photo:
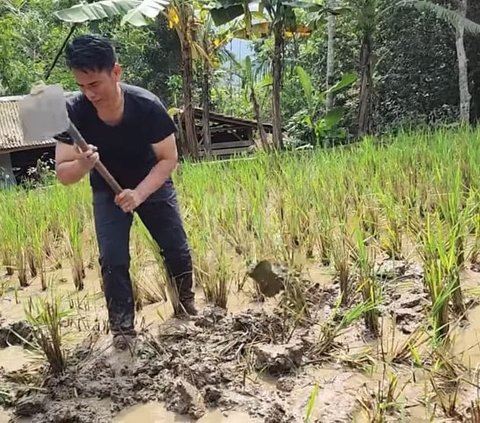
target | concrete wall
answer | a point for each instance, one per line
(7, 177)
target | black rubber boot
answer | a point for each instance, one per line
(186, 295)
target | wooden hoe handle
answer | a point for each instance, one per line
(79, 140)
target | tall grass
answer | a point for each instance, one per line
(414, 189)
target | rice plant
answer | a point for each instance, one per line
(367, 283)
(46, 317)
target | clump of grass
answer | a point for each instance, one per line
(439, 253)
(213, 272)
(335, 327)
(385, 400)
(392, 242)
(46, 317)
(75, 251)
(367, 282)
(341, 262)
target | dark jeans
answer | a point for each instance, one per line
(160, 215)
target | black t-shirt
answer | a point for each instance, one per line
(126, 148)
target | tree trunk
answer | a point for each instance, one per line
(331, 23)
(277, 86)
(207, 138)
(256, 110)
(187, 84)
(465, 96)
(366, 86)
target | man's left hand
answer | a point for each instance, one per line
(128, 200)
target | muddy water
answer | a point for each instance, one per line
(4, 416)
(13, 358)
(156, 413)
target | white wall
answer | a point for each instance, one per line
(6, 172)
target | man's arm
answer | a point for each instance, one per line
(167, 156)
(71, 164)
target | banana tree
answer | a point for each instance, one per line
(321, 125)
(280, 21)
(245, 71)
(212, 43)
(181, 17)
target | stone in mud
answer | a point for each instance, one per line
(405, 315)
(206, 373)
(270, 278)
(185, 399)
(277, 359)
(211, 315)
(285, 384)
(175, 330)
(410, 300)
(390, 269)
(28, 406)
(212, 395)
(275, 414)
(15, 333)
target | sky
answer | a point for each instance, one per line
(240, 48)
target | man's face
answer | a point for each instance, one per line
(100, 87)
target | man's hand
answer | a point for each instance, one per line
(88, 158)
(128, 200)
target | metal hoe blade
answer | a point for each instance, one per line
(43, 113)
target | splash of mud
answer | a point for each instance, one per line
(191, 366)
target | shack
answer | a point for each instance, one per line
(17, 157)
(229, 136)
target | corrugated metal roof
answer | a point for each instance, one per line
(11, 136)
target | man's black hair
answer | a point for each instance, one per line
(90, 53)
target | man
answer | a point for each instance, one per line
(130, 130)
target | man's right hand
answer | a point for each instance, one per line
(88, 158)
(72, 164)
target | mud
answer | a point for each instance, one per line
(14, 333)
(155, 412)
(191, 366)
(248, 364)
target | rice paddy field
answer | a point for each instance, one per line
(333, 286)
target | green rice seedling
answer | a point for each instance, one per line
(153, 292)
(405, 352)
(46, 317)
(335, 326)
(324, 233)
(214, 273)
(367, 282)
(295, 299)
(392, 242)
(74, 241)
(21, 264)
(15, 232)
(38, 237)
(311, 403)
(369, 218)
(342, 264)
(385, 400)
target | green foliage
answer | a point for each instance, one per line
(322, 127)
(29, 40)
(134, 12)
(31, 36)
